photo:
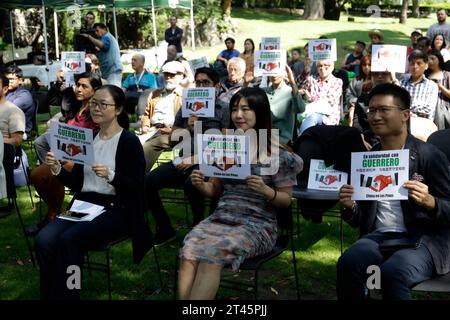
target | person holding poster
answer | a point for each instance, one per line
(244, 222)
(49, 188)
(177, 172)
(248, 56)
(285, 104)
(409, 240)
(115, 182)
(323, 92)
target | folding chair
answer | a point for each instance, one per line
(106, 267)
(285, 236)
(313, 204)
(8, 163)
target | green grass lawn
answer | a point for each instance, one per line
(295, 32)
(317, 245)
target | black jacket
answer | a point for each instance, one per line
(427, 162)
(129, 185)
(175, 38)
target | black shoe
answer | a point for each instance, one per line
(32, 230)
(162, 238)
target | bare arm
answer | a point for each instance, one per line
(15, 139)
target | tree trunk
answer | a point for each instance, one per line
(314, 10)
(227, 7)
(404, 12)
(415, 9)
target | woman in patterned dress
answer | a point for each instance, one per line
(244, 223)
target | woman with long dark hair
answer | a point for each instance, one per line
(436, 72)
(244, 222)
(115, 181)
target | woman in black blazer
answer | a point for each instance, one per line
(116, 182)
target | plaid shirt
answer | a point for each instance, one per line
(424, 96)
(329, 90)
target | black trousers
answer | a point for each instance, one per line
(168, 176)
(64, 243)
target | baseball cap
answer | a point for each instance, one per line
(418, 31)
(173, 67)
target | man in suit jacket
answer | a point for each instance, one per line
(424, 218)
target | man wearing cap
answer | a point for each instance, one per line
(159, 115)
(351, 60)
(441, 27)
(415, 35)
(285, 104)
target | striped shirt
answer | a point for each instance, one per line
(424, 96)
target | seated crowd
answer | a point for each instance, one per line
(390, 112)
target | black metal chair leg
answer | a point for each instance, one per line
(108, 274)
(158, 268)
(30, 249)
(175, 282)
(294, 260)
(27, 178)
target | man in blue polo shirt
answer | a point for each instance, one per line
(220, 65)
(137, 82)
(141, 79)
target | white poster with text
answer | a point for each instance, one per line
(380, 175)
(224, 156)
(325, 178)
(72, 143)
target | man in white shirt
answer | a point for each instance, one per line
(159, 115)
(418, 226)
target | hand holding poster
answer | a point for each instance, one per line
(269, 62)
(388, 58)
(198, 63)
(380, 175)
(72, 143)
(73, 61)
(270, 43)
(224, 156)
(198, 102)
(325, 178)
(322, 49)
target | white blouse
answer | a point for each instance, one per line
(105, 153)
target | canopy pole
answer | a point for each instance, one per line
(44, 23)
(55, 20)
(154, 34)
(192, 26)
(11, 24)
(115, 21)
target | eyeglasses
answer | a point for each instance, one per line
(383, 111)
(101, 105)
(204, 83)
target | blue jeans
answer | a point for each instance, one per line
(310, 121)
(399, 272)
